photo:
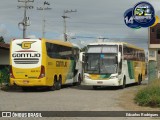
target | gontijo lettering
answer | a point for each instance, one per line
(25, 55)
(61, 64)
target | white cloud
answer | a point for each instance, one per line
(31, 36)
(3, 30)
(93, 18)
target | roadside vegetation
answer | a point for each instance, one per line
(150, 95)
(4, 76)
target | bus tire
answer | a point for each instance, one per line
(79, 80)
(59, 84)
(53, 87)
(124, 83)
(56, 84)
(139, 80)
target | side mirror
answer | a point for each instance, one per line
(119, 57)
(81, 56)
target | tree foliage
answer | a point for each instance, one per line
(83, 49)
(2, 39)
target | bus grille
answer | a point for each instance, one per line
(26, 60)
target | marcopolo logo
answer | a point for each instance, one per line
(141, 15)
(26, 44)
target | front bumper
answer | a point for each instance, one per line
(109, 82)
(28, 82)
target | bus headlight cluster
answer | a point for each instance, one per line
(114, 77)
(86, 76)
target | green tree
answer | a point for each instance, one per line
(2, 39)
(84, 49)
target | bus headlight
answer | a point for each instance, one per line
(113, 77)
(86, 76)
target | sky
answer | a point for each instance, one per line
(93, 19)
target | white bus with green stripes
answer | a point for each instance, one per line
(113, 64)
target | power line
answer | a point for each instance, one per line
(81, 22)
(96, 23)
(120, 38)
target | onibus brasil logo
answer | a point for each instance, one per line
(141, 15)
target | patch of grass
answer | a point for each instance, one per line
(150, 95)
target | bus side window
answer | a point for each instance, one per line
(125, 51)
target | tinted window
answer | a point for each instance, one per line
(58, 51)
(133, 54)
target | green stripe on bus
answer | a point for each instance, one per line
(71, 69)
(130, 69)
(105, 76)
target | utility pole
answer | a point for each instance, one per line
(64, 21)
(43, 16)
(25, 19)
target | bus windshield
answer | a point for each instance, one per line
(102, 63)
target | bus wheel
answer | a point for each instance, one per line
(58, 84)
(79, 80)
(124, 83)
(53, 87)
(139, 80)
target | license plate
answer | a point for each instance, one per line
(25, 81)
(99, 82)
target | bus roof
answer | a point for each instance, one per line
(116, 43)
(60, 42)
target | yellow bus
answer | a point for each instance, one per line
(41, 62)
(113, 64)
